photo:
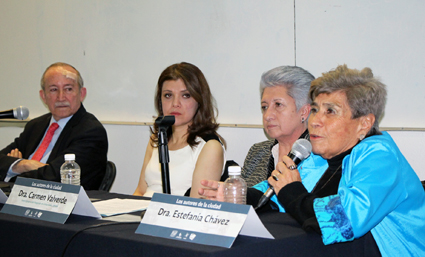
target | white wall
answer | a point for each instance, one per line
(121, 47)
(386, 35)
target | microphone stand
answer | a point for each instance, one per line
(164, 159)
(163, 123)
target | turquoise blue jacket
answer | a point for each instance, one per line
(378, 192)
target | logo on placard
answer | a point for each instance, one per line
(173, 233)
(192, 236)
(186, 236)
(30, 213)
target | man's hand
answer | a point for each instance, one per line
(27, 165)
(15, 153)
(24, 165)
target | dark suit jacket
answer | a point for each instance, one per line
(83, 135)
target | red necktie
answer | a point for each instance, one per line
(46, 141)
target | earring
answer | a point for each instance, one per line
(302, 120)
(361, 137)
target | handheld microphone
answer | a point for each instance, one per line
(301, 149)
(20, 113)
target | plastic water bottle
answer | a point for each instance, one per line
(235, 186)
(70, 171)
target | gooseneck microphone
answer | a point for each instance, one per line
(301, 149)
(20, 113)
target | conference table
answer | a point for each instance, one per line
(84, 236)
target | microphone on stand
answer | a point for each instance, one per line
(20, 113)
(301, 149)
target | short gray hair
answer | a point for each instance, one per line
(295, 79)
(365, 94)
(62, 64)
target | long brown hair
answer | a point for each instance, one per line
(204, 121)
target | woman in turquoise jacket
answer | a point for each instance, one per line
(356, 180)
(368, 184)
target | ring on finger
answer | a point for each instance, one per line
(292, 167)
(275, 178)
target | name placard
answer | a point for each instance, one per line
(200, 221)
(47, 200)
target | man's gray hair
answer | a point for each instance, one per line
(62, 64)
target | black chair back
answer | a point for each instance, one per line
(226, 169)
(224, 176)
(108, 180)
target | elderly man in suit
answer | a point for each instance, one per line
(39, 151)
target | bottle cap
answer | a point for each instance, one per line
(69, 157)
(234, 170)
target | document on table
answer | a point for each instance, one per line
(117, 206)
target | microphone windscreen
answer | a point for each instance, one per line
(165, 120)
(21, 113)
(301, 148)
